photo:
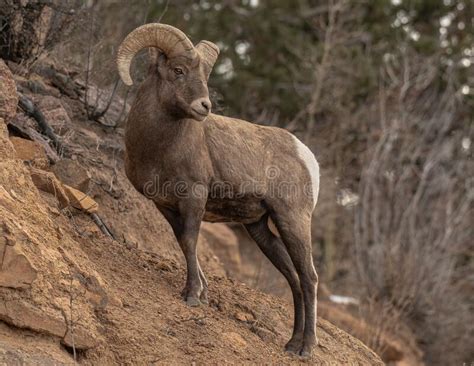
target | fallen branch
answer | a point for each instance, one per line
(32, 111)
(98, 221)
(29, 133)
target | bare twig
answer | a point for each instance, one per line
(93, 113)
(163, 12)
(71, 324)
(30, 133)
(320, 71)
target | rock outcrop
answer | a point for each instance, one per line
(8, 94)
(30, 152)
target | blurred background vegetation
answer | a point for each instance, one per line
(383, 93)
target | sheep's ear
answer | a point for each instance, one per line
(208, 52)
(155, 59)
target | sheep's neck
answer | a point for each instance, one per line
(151, 137)
(155, 139)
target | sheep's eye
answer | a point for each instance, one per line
(178, 71)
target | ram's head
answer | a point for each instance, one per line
(182, 69)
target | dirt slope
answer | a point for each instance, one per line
(66, 288)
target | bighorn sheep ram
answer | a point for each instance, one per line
(196, 166)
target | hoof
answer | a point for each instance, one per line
(293, 347)
(292, 352)
(193, 301)
(305, 354)
(193, 298)
(203, 298)
(307, 349)
(298, 348)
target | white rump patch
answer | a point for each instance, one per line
(312, 165)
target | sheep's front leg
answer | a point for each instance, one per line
(191, 216)
(185, 225)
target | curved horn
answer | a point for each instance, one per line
(168, 39)
(208, 52)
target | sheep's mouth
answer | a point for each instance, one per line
(199, 115)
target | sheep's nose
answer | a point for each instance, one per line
(201, 106)
(206, 103)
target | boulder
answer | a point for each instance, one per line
(47, 182)
(66, 195)
(16, 271)
(80, 200)
(25, 315)
(72, 173)
(8, 93)
(30, 151)
(80, 338)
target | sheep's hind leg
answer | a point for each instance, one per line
(295, 231)
(276, 252)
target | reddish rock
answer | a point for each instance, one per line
(80, 200)
(16, 271)
(6, 147)
(8, 93)
(24, 315)
(30, 151)
(47, 182)
(79, 338)
(72, 173)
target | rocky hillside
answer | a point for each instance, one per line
(90, 272)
